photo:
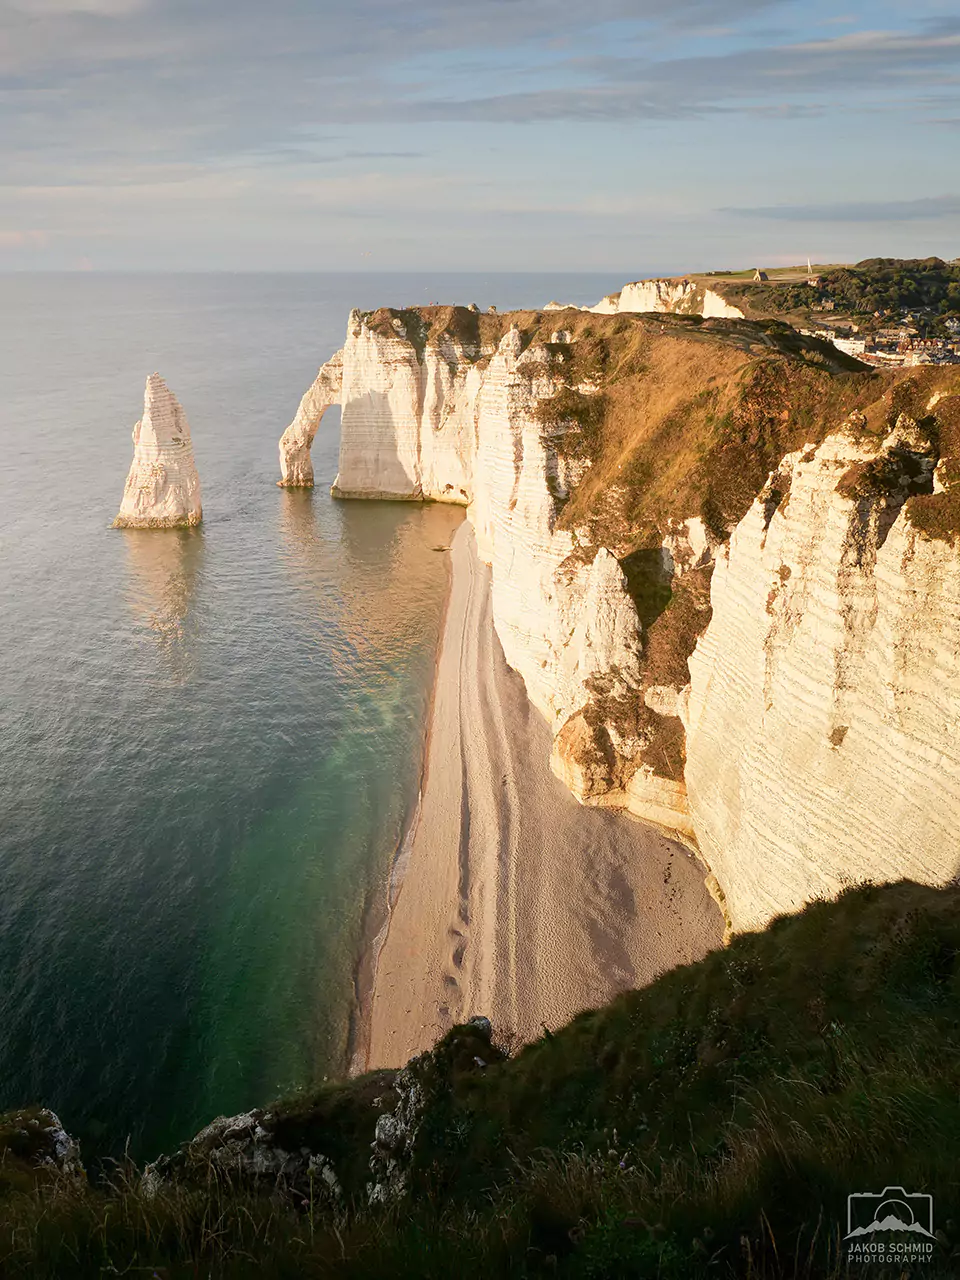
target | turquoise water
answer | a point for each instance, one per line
(209, 741)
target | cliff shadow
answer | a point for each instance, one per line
(649, 583)
(376, 469)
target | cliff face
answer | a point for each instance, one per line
(681, 297)
(792, 717)
(404, 414)
(825, 693)
(163, 488)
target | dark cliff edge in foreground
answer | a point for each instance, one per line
(712, 1124)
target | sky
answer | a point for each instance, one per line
(639, 136)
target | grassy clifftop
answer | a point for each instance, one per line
(710, 1125)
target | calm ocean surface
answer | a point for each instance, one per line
(209, 741)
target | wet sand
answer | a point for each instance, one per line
(516, 901)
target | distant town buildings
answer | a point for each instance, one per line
(852, 346)
(891, 348)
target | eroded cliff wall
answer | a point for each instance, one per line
(680, 297)
(822, 717)
(793, 717)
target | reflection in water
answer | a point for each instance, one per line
(371, 578)
(368, 565)
(307, 556)
(390, 601)
(164, 567)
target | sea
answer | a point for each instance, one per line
(211, 741)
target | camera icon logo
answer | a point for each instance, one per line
(893, 1209)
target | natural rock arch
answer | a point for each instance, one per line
(296, 466)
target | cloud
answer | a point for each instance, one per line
(333, 39)
(108, 81)
(928, 208)
(53, 8)
(181, 109)
(378, 155)
(682, 88)
(23, 239)
(87, 86)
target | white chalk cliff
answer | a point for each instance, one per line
(296, 468)
(823, 714)
(163, 488)
(680, 297)
(823, 706)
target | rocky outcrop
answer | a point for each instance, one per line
(163, 488)
(248, 1149)
(296, 468)
(371, 1139)
(424, 1088)
(34, 1147)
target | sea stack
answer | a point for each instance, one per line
(163, 488)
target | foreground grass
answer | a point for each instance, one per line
(711, 1125)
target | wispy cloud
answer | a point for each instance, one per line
(23, 239)
(156, 118)
(682, 88)
(927, 208)
(55, 8)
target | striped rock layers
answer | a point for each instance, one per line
(163, 488)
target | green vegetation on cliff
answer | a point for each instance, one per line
(710, 1125)
(887, 285)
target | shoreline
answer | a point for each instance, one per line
(506, 897)
(375, 929)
